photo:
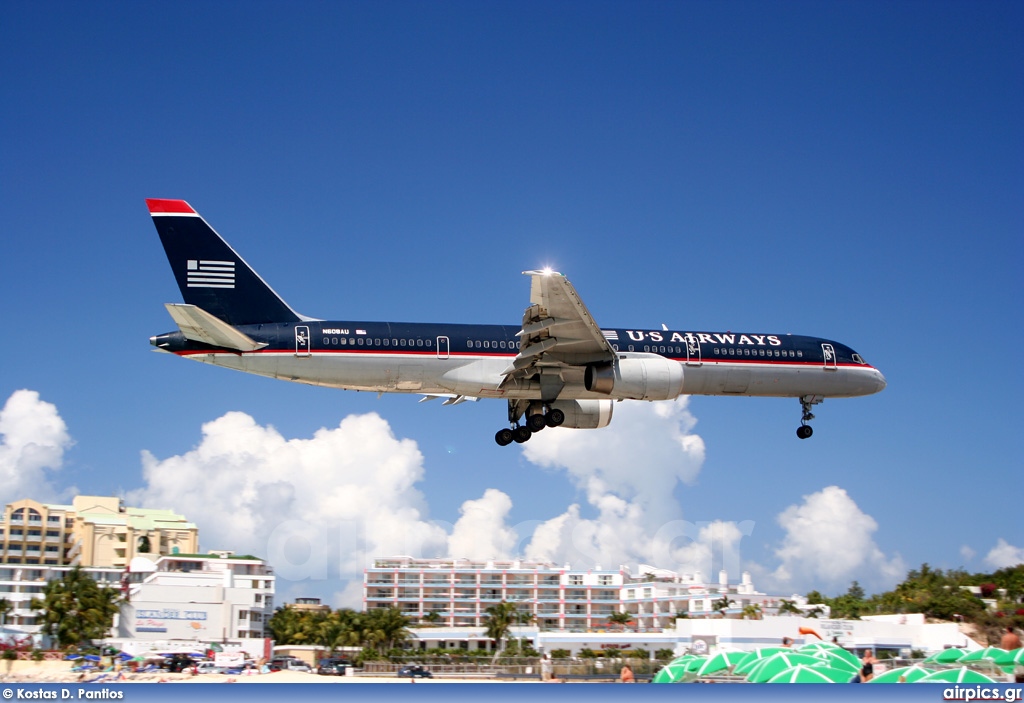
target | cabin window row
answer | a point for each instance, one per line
(376, 342)
(488, 344)
(746, 351)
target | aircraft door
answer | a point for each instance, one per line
(442, 347)
(302, 341)
(829, 355)
(693, 357)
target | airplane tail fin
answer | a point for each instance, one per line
(210, 274)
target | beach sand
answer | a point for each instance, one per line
(60, 672)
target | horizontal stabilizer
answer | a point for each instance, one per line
(200, 326)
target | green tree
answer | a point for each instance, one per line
(788, 606)
(621, 618)
(499, 621)
(5, 607)
(384, 628)
(75, 609)
(752, 612)
(286, 626)
(722, 604)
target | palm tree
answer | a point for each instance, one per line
(788, 606)
(384, 628)
(498, 624)
(621, 618)
(75, 609)
(286, 626)
(722, 604)
(753, 612)
(5, 607)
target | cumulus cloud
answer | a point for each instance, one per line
(640, 458)
(967, 553)
(33, 439)
(628, 474)
(481, 532)
(317, 508)
(1004, 555)
(829, 540)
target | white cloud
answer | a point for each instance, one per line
(33, 439)
(829, 539)
(1004, 555)
(317, 508)
(481, 532)
(967, 553)
(628, 473)
(641, 457)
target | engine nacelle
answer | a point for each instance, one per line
(585, 414)
(649, 377)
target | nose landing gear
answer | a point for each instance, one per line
(804, 430)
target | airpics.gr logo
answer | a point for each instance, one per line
(211, 274)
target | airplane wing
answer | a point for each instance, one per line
(200, 326)
(558, 332)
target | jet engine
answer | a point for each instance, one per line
(585, 414)
(637, 377)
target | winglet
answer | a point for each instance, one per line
(158, 206)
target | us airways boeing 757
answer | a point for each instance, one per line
(557, 368)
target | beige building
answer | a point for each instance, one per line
(94, 531)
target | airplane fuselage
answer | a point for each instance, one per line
(469, 360)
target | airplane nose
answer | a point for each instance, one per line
(879, 381)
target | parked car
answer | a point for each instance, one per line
(208, 667)
(333, 667)
(414, 671)
(291, 665)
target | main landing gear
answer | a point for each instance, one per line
(538, 416)
(804, 430)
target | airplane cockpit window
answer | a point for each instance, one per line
(859, 359)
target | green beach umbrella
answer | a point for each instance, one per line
(987, 654)
(946, 656)
(720, 661)
(910, 674)
(777, 663)
(802, 674)
(832, 650)
(743, 666)
(961, 675)
(696, 663)
(673, 672)
(1014, 656)
(837, 661)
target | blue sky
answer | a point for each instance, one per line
(847, 170)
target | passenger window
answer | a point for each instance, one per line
(360, 341)
(386, 342)
(401, 342)
(419, 342)
(799, 353)
(376, 342)
(394, 342)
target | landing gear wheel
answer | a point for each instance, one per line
(503, 437)
(521, 434)
(536, 423)
(555, 418)
(804, 431)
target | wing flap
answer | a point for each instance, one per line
(200, 326)
(558, 331)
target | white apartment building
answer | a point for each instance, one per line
(205, 598)
(459, 592)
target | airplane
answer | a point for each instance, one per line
(558, 368)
